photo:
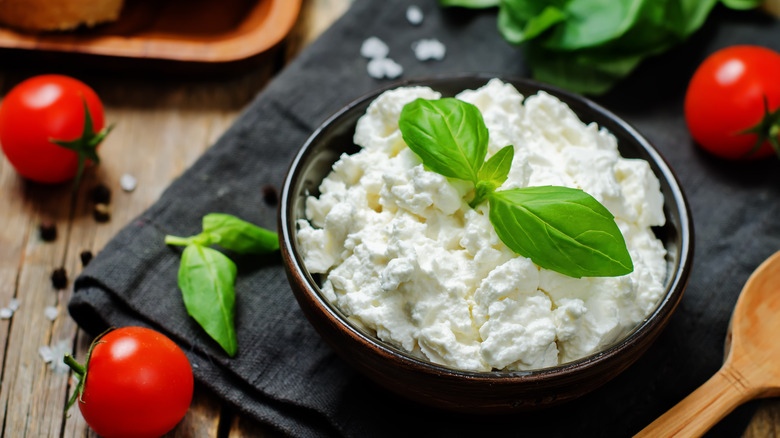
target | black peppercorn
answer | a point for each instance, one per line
(101, 213)
(269, 195)
(86, 257)
(48, 231)
(100, 194)
(59, 278)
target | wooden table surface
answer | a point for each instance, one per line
(162, 126)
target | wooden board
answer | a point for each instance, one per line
(178, 30)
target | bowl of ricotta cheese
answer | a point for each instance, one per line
(414, 287)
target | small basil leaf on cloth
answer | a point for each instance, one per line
(238, 235)
(448, 135)
(207, 277)
(562, 229)
(207, 280)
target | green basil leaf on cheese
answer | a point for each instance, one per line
(496, 168)
(448, 135)
(492, 174)
(562, 229)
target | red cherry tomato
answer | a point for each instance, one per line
(45, 108)
(138, 384)
(734, 90)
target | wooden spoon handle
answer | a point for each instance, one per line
(703, 408)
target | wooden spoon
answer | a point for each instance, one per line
(751, 368)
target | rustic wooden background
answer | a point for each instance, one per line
(162, 125)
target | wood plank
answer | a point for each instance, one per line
(246, 427)
(30, 388)
(201, 420)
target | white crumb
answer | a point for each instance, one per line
(128, 182)
(414, 15)
(426, 49)
(384, 68)
(374, 48)
(51, 313)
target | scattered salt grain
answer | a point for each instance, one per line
(46, 353)
(51, 312)
(414, 15)
(426, 49)
(8, 312)
(374, 48)
(53, 355)
(128, 182)
(384, 68)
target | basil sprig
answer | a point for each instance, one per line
(588, 46)
(207, 277)
(559, 228)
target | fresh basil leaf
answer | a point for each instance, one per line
(742, 4)
(516, 30)
(581, 71)
(207, 281)
(587, 46)
(492, 174)
(238, 235)
(561, 229)
(591, 23)
(448, 135)
(496, 168)
(203, 239)
(473, 4)
(694, 13)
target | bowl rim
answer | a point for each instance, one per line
(678, 277)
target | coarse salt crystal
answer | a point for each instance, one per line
(384, 68)
(128, 182)
(374, 48)
(51, 312)
(414, 15)
(46, 353)
(13, 304)
(6, 313)
(53, 354)
(426, 49)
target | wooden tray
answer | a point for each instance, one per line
(206, 31)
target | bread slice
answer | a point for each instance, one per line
(53, 15)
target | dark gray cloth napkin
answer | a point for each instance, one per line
(286, 376)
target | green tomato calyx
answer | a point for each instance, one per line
(86, 145)
(81, 370)
(767, 130)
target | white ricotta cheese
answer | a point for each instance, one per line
(404, 255)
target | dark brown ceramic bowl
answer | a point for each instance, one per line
(481, 392)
